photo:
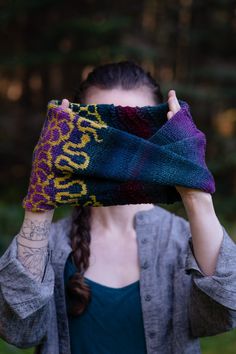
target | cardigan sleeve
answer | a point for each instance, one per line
(212, 303)
(24, 302)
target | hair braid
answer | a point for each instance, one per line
(78, 291)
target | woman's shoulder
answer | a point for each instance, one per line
(168, 218)
(172, 230)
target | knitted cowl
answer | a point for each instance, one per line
(102, 154)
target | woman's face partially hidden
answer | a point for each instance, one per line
(137, 97)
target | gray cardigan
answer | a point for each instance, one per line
(179, 302)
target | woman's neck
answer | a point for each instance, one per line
(116, 219)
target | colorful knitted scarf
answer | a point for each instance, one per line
(102, 154)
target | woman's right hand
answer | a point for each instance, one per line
(65, 103)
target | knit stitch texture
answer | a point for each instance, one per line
(102, 154)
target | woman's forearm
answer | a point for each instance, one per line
(206, 230)
(32, 242)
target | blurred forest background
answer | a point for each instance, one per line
(49, 46)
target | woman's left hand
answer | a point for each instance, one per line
(174, 107)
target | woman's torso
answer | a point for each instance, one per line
(164, 284)
(112, 322)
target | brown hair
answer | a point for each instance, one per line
(128, 76)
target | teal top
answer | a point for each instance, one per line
(111, 324)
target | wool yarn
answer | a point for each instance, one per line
(102, 154)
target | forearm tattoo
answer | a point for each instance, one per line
(32, 244)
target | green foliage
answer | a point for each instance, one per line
(6, 348)
(222, 343)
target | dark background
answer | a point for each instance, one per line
(48, 46)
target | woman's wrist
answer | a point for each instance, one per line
(196, 199)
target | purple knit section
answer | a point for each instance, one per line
(179, 127)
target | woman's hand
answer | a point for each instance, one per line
(174, 107)
(64, 103)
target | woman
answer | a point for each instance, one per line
(124, 279)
